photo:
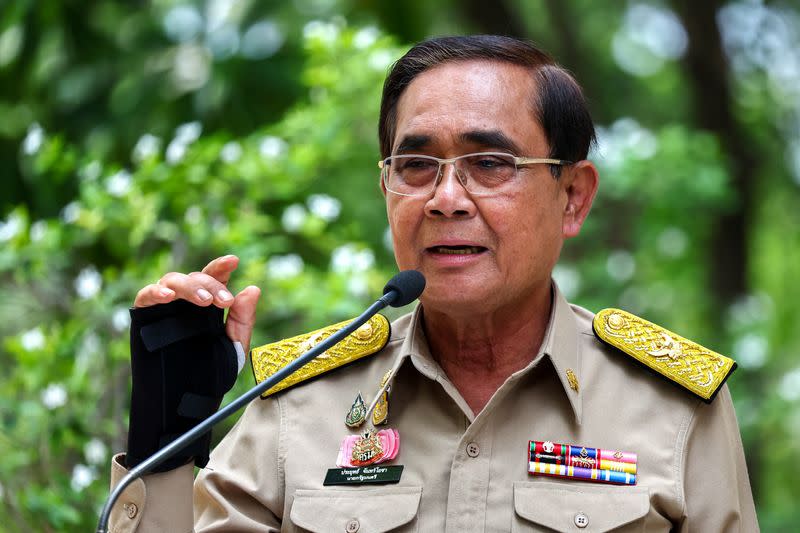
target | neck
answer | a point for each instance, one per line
(479, 351)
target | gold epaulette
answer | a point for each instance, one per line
(695, 368)
(368, 339)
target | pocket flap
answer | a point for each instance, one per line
(556, 505)
(373, 509)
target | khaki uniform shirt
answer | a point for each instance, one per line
(465, 472)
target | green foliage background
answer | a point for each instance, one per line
(141, 139)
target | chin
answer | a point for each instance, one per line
(455, 294)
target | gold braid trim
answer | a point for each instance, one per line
(370, 338)
(697, 369)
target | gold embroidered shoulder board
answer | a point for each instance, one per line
(370, 338)
(695, 368)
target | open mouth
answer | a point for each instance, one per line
(457, 250)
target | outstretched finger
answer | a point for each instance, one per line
(222, 267)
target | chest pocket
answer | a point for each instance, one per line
(351, 511)
(547, 506)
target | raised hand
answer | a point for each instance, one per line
(208, 287)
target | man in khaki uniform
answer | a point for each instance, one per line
(485, 174)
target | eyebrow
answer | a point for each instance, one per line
(492, 139)
(409, 143)
(486, 139)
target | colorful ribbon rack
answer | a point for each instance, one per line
(582, 462)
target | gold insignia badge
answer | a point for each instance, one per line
(357, 413)
(380, 415)
(367, 450)
(368, 339)
(697, 369)
(572, 379)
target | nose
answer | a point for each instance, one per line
(450, 199)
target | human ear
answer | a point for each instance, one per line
(580, 185)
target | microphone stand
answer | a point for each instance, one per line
(187, 438)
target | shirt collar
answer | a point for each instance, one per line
(560, 344)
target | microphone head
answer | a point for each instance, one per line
(407, 286)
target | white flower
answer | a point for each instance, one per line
(119, 183)
(325, 207)
(33, 140)
(121, 319)
(284, 266)
(623, 140)
(357, 286)
(649, 36)
(272, 147)
(363, 260)
(10, 228)
(183, 22)
(146, 147)
(189, 132)
(91, 171)
(185, 134)
(293, 218)
(32, 340)
(82, 477)
(38, 230)
(231, 152)
(262, 39)
(95, 451)
(789, 387)
(365, 37)
(71, 212)
(348, 259)
(324, 32)
(54, 396)
(380, 59)
(620, 265)
(88, 282)
(223, 41)
(191, 67)
(751, 350)
(175, 152)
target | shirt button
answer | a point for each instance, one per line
(581, 520)
(131, 510)
(352, 526)
(473, 450)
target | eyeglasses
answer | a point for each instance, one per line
(481, 174)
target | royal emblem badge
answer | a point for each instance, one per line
(369, 448)
(357, 413)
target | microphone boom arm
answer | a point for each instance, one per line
(196, 432)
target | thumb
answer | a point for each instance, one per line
(242, 316)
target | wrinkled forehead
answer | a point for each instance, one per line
(478, 102)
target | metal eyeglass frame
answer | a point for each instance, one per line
(441, 162)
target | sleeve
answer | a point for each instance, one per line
(242, 487)
(154, 503)
(716, 486)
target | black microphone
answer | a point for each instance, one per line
(402, 289)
